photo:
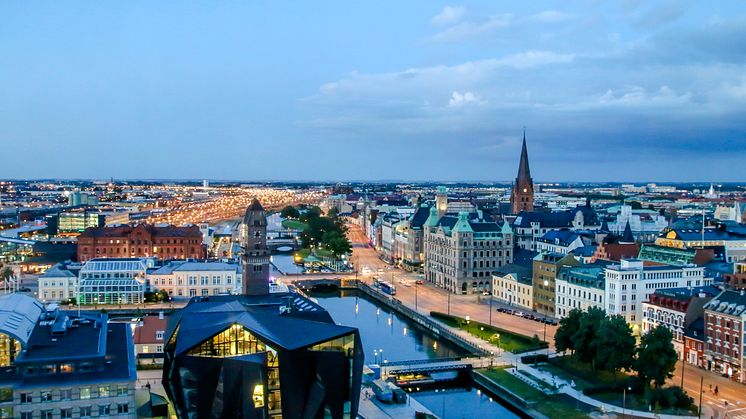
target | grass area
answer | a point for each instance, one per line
(553, 406)
(509, 341)
(294, 225)
(319, 253)
(582, 373)
(586, 378)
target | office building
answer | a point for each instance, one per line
(724, 320)
(57, 364)
(546, 266)
(630, 283)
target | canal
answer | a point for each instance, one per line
(386, 336)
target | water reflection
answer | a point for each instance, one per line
(463, 403)
(384, 331)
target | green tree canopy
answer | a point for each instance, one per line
(656, 356)
(290, 212)
(564, 336)
(585, 336)
(614, 345)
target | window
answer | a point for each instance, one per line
(66, 413)
(103, 391)
(27, 398)
(85, 411)
(85, 393)
(159, 335)
(123, 408)
(47, 414)
(104, 410)
(66, 394)
(123, 391)
(27, 415)
(46, 396)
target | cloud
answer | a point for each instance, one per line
(550, 16)
(469, 29)
(660, 15)
(449, 14)
(462, 99)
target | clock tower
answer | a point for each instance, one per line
(255, 257)
(522, 196)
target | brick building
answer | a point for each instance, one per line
(142, 240)
(724, 323)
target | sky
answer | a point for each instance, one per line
(607, 90)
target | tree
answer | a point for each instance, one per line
(163, 295)
(563, 337)
(336, 243)
(290, 212)
(656, 356)
(590, 321)
(6, 273)
(614, 345)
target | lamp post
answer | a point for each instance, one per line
(468, 320)
(449, 301)
(416, 286)
(624, 398)
(490, 309)
(499, 347)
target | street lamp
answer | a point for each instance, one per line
(624, 398)
(468, 320)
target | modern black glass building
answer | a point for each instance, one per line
(260, 354)
(269, 356)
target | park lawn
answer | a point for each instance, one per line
(509, 341)
(553, 406)
(323, 253)
(295, 225)
(579, 371)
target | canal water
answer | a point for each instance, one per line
(386, 336)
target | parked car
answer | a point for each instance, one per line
(419, 282)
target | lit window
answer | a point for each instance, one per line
(258, 396)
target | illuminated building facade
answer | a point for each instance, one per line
(261, 356)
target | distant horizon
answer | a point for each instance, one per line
(378, 181)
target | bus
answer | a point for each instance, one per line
(386, 287)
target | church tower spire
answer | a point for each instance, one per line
(522, 196)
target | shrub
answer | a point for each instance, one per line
(670, 397)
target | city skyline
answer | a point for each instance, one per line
(625, 91)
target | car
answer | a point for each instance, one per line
(419, 282)
(485, 293)
(24, 289)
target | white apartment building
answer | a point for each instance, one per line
(60, 282)
(579, 287)
(512, 285)
(629, 284)
(190, 278)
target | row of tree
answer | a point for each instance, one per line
(325, 231)
(606, 343)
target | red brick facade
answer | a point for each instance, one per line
(141, 241)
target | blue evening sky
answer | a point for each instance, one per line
(626, 90)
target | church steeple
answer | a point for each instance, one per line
(522, 196)
(524, 172)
